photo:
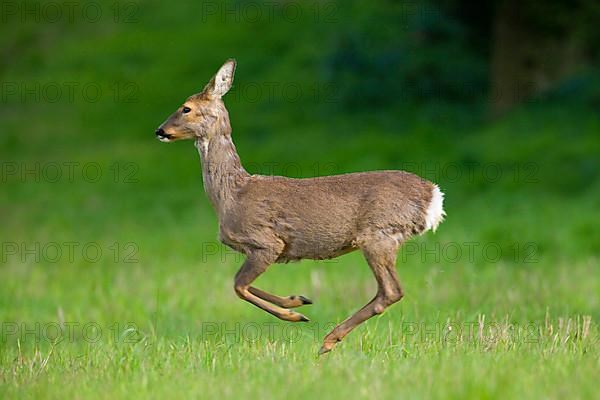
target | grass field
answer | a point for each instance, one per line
(113, 283)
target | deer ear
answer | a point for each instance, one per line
(222, 81)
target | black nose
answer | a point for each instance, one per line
(160, 132)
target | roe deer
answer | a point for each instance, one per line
(273, 219)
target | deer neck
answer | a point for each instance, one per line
(222, 170)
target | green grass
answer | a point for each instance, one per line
(177, 330)
(514, 314)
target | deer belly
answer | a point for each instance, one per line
(315, 247)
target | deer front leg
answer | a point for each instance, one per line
(250, 270)
(285, 302)
(381, 257)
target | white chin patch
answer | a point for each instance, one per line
(164, 139)
(202, 145)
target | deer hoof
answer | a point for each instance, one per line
(303, 318)
(305, 300)
(329, 343)
(294, 317)
(326, 348)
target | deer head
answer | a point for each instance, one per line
(203, 115)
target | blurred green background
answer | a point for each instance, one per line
(108, 231)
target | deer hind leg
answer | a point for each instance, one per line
(255, 265)
(381, 257)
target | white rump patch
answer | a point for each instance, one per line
(435, 211)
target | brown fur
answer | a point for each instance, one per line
(273, 219)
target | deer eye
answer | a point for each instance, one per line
(186, 110)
